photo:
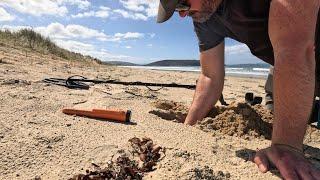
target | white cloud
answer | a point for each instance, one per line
(5, 16)
(82, 4)
(239, 54)
(133, 9)
(129, 35)
(147, 7)
(237, 49)
(152, 35)
(131, 15)
(91, 50)
(36, 7)
(85, 14)
(128, 47)
(44, 7)
(73, 31)
(103, 12)
(75, 46)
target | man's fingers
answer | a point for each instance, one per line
(261, 160)
(315, 173)
(305, 174)
(286, 168)
(289, 174)
(283, 162)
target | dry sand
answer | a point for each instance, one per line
(38, 140)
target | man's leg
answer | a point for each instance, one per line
(269, 90)
(315, 110)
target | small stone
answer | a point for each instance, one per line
(37, 178)
(228, 175)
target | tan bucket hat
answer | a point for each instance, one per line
(166, 10)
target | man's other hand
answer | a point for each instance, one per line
(290, 162)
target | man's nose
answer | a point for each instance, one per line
(183, 13)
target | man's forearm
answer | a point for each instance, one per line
(206, 95)
(293, 96)
(291, 30)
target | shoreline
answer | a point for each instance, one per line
(230, 74)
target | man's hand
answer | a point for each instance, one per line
(209, 85)
(292, 25)
(290, 162)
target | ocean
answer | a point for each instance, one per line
(230, 71)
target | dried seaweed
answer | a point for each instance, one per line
(148, 153)
(125, 167)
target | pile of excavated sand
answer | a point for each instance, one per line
(237, 119)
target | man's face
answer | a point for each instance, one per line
(201, 10)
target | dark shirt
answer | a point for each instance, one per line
(243, 20)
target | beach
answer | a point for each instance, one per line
(38, 141)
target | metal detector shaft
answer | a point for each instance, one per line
(72, 80)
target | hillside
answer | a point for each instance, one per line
(29, 41)
(257, 65)
(186, 63)
(119, 63)
(175, 63)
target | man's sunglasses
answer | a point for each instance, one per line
(182, 6)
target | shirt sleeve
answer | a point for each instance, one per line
(209, 33)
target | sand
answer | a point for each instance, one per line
(38, 141)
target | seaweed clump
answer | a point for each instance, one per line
(124, 167)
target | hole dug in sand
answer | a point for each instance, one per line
(237, 119)
(170, 110)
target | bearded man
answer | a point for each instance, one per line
(281, 33)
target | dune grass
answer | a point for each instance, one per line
(30, 40)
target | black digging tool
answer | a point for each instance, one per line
(79, 82)
(222, 101)
(252, 100)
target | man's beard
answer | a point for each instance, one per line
(208, 7)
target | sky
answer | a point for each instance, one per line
(113, 30)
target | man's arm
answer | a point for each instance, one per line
(292, 26)
(210, 84)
